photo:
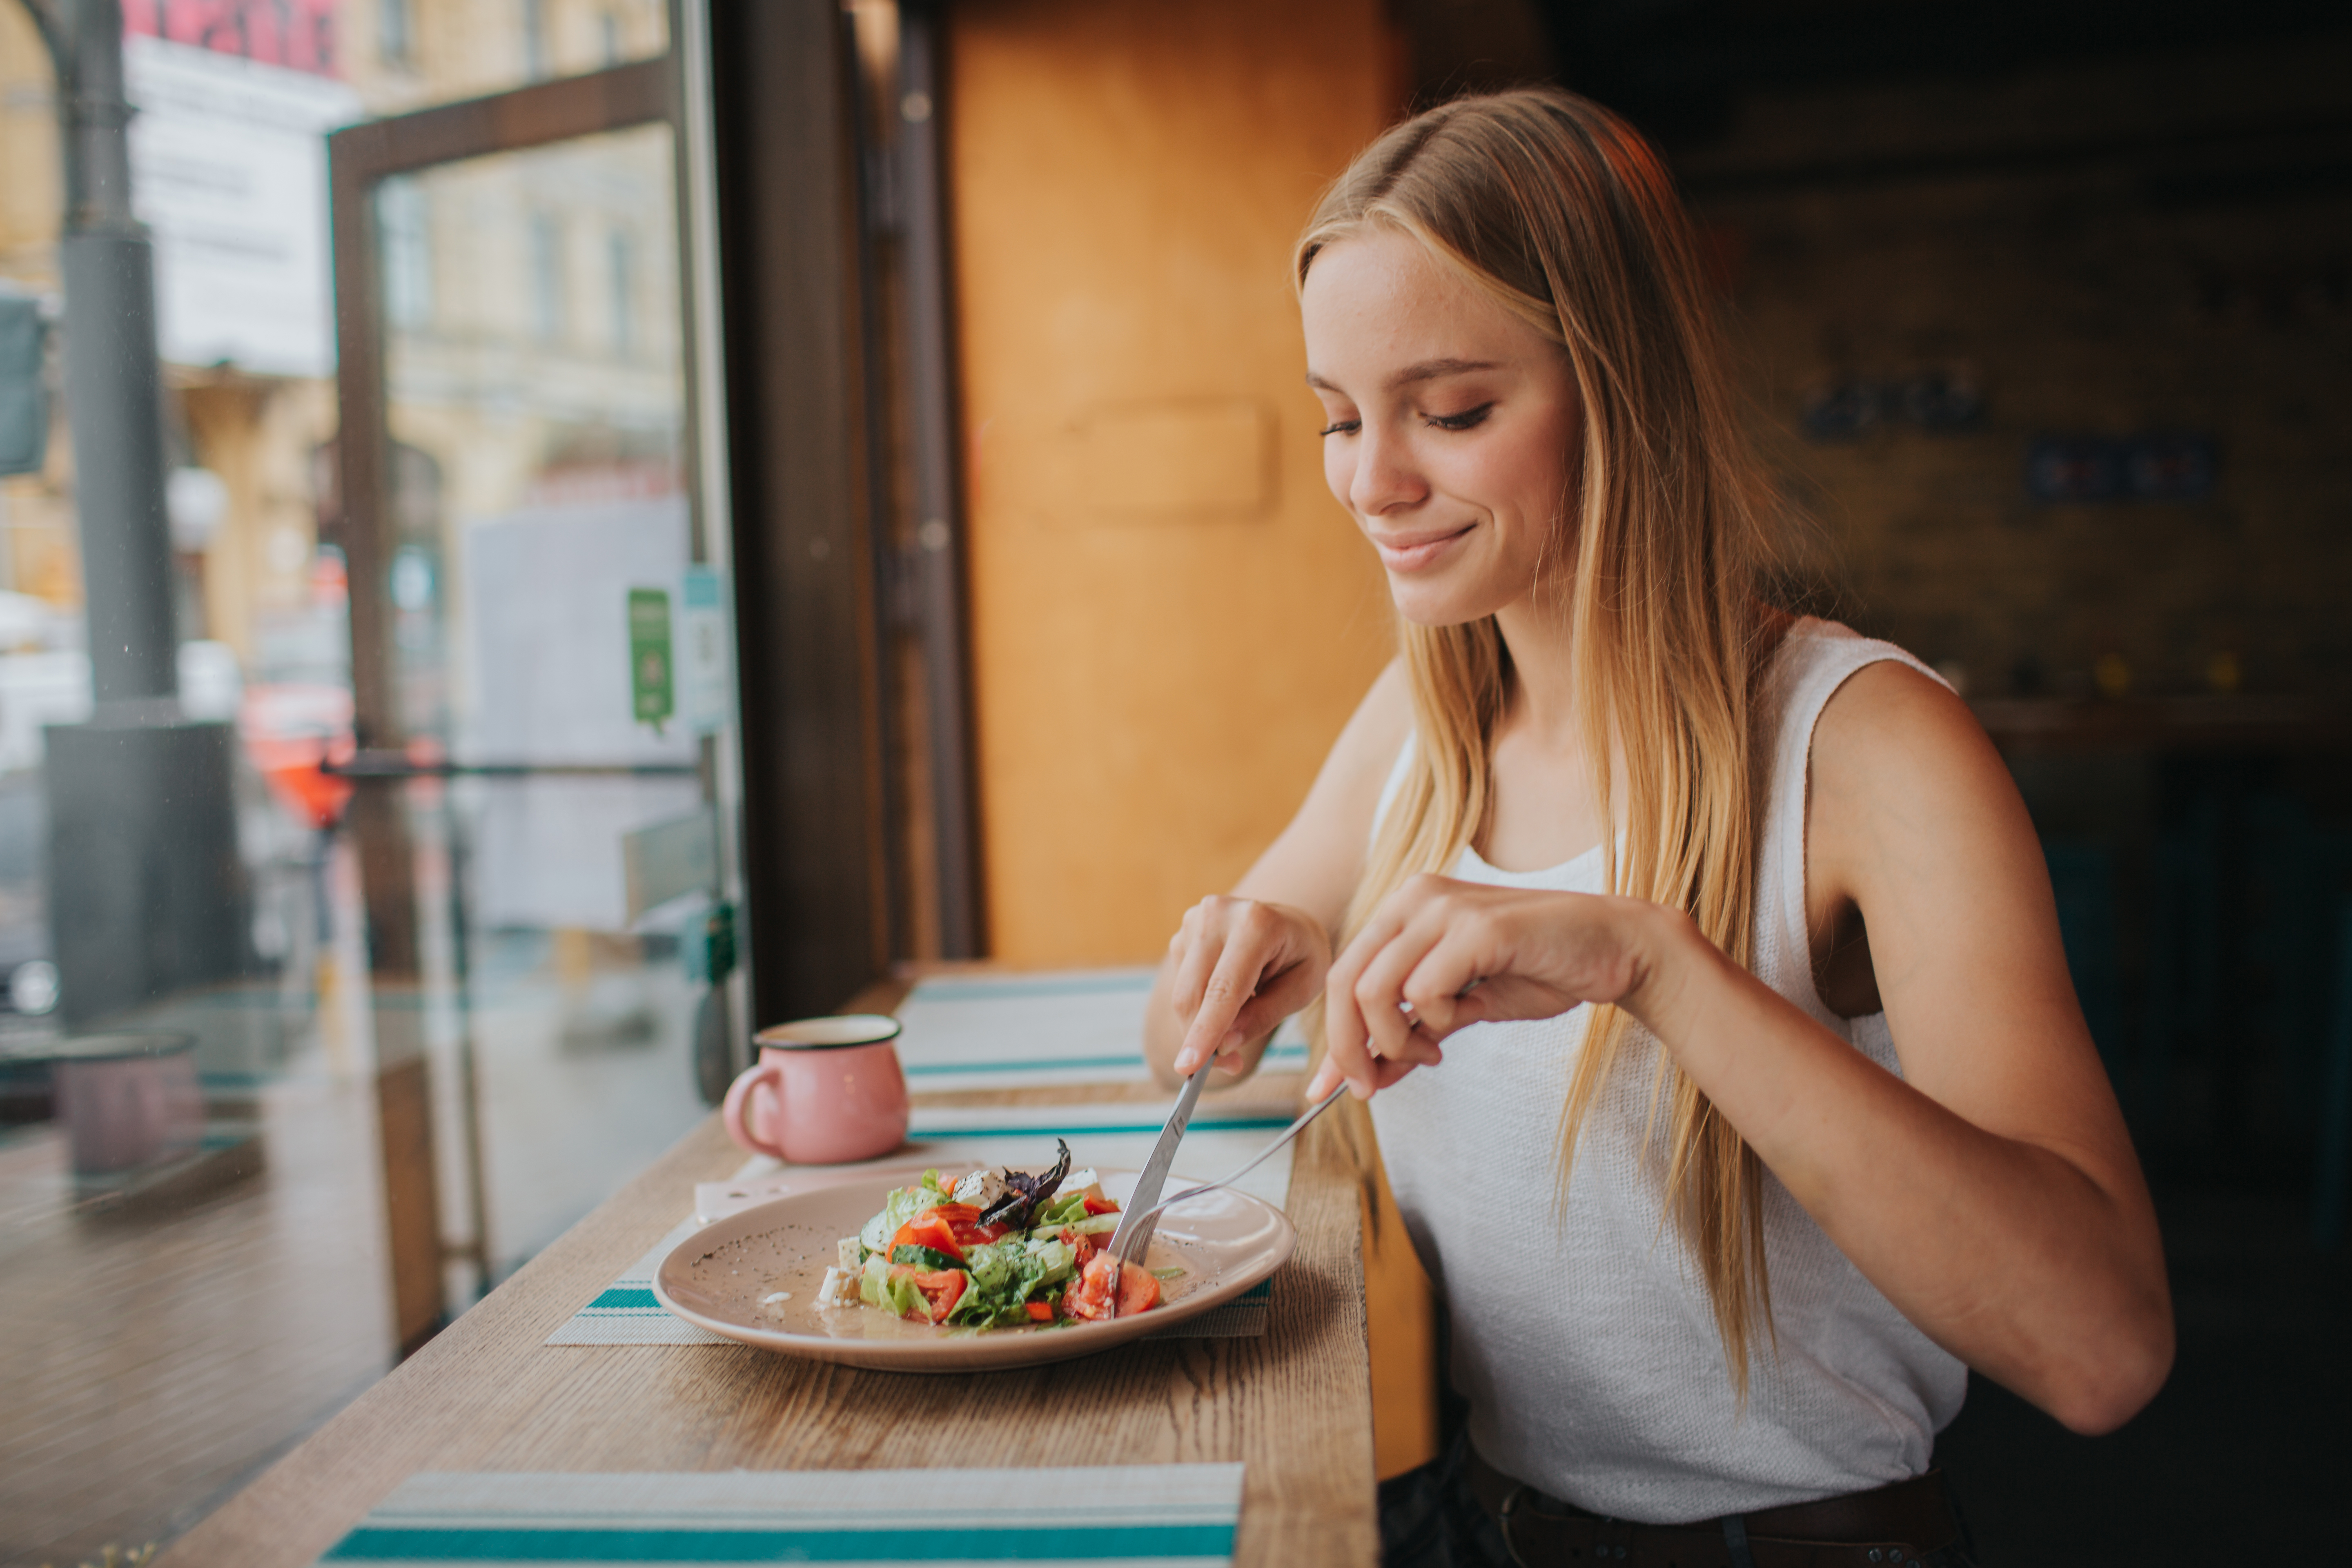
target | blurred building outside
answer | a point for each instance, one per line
(534, 400)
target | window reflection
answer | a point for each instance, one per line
(200, 1134)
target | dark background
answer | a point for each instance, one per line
(1956, 241)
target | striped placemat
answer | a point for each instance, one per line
(1012, 1031)
(1115, 1137)
(1125, 1514)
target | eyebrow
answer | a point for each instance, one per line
(1427, 370)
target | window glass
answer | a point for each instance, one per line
(346, 959)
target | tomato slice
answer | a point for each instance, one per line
(1095, 1206)
(962, 1221)
(1082, 1247)
(928, 1229)
(972, 1234)
(1138, 1290)
(944, 1287)
(1090, 1295)
(1043, 1311)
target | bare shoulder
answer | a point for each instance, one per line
(1913, 819)
(1909, 803)
(1891, 731)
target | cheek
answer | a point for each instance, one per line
(1540, 481)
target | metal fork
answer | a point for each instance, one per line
(1129, 1248)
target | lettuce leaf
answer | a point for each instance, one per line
(879, 1287)
(928, 1259)
(1005, 1275)
(1067, 1209)
(900, 1206)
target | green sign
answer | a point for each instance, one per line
(652, 688)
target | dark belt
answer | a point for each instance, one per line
(1895, 1525)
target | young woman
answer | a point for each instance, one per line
(1699, 962)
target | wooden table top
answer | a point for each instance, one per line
(488, 1393)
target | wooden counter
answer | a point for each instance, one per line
(487, 1393)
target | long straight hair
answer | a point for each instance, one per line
(1559, 211)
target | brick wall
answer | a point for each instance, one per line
(2156, 246)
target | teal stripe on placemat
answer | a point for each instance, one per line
(1205, 1124)
(380, 1544)
(1034, 1064)
(990, 991)
(618, 1298)
(1049, 1064)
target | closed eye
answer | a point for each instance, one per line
(1464, 420)
(1341, 428)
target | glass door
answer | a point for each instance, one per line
(543, 708)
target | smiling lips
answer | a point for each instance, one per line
(1412, 552)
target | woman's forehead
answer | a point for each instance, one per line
(1378, 310)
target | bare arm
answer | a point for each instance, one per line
(1243, 962)
(1992, 1191)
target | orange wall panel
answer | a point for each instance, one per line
(1171, 618)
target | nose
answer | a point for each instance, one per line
(1386, 476)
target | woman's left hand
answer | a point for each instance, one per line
(1440, 955)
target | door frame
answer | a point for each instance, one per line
(808, 633)
(360, 158)
(757, 94)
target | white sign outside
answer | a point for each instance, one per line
(228, 171)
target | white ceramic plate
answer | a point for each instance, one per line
(720, 1277)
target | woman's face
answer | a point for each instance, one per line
(1454, 427)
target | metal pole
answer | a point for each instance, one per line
(146, 888)
(111, 379)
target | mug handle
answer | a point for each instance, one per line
(735, 1115)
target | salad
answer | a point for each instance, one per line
(992, 1249)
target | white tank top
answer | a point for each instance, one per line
(1587, 1348)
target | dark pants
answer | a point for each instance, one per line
(1431, 1518)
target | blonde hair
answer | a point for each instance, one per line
(1559, 211)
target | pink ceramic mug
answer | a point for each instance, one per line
(825, 1091)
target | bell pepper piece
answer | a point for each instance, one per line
(928, 1229)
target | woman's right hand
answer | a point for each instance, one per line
(1237, 967)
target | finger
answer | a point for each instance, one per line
(1444, 978)
(1195, 949)
(1385, 1074)
(1421, 1049)
(1230, 986)
(1344, 1034)
(1344, 1039)
(1379, 989)
(1327, 1076)
(1278, 996)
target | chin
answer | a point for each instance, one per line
(1443, 603)
(1435, 604)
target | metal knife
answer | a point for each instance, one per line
(1137, 1222)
